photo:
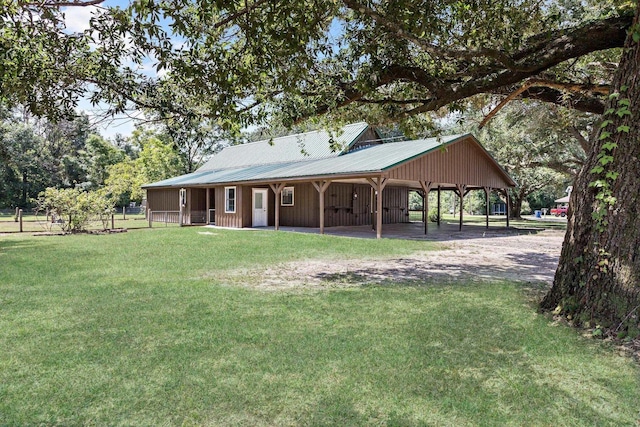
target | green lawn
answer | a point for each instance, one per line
(142, 328)
(33, 224)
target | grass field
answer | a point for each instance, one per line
(145, 328)
(33, 224)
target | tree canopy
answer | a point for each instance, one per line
(237, 63)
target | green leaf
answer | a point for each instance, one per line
(605, 160)
(623, 128)
(612, 175)
(604, 135)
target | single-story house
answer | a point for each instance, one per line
(319, 179)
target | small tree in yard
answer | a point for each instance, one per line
(75, 209)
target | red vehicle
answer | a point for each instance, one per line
(560, 211)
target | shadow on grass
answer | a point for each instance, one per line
(537, 269)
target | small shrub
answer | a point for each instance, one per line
(73, 209)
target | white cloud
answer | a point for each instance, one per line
(77, 18)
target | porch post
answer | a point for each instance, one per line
(461, 190)
(438, 206)
(379, 210)
(277, 189)
(321, 186)
(506, 191)
(378, 185)
(182, 202)
(487, 190)
(426, 187)
(373, 207)
(207, 206)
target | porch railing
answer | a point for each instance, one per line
(168, 217)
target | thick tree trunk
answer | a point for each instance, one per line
(598, 278)
(516, 206)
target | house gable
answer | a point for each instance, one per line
(462, 161)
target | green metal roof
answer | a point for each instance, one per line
(377, 158)
(300, 147)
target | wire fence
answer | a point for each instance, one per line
(29, 221)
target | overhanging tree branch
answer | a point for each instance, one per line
(561, 86)
(548, 50)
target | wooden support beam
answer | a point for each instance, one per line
(321, 187)
(372, 198)
(379, 208)
(438, 206)
(461, 190)
(487, 191)
(378, 184)
(506, 192)
(426, 187)
(207, 205)
(277, 190)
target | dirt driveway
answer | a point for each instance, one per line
(518, 255)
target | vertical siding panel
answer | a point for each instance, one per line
(244, 216)
(460, 163)
(165, 199)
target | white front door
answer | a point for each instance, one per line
(260, 207)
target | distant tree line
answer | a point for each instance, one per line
(36, 154)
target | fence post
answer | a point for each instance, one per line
(150, 217)
(112, 221)
(15, 218)
(20, 218)
(124, 214)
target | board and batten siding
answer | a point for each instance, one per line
(224, 219)
(395, 205)
(345, 204)
(304, 212)
(164, 199)
(342, 208)
(461, 163)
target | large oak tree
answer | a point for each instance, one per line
(235, 63)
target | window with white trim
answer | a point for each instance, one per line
(229, 199)
(286, 197)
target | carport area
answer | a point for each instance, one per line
(447, 230)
